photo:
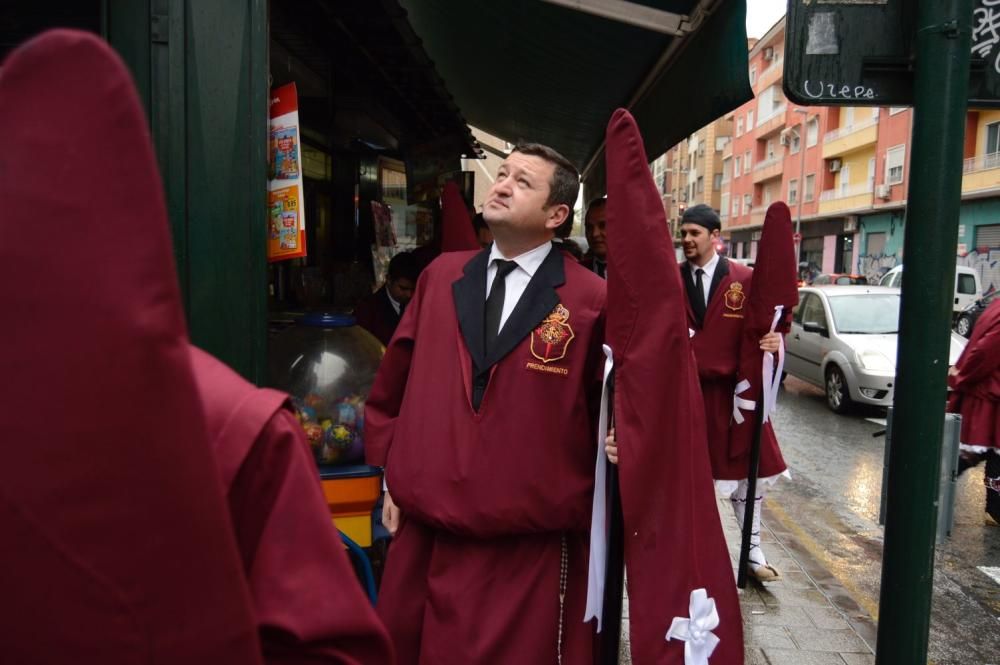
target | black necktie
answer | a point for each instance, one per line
(600, 267)
(699, 302)
(494, 303)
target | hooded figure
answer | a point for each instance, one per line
(457, 231)
(680, 578)
(769, 308)
(125, 549)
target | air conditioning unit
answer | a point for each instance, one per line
(769, 53)
(835, 165)
(784, 139)
(883, 192)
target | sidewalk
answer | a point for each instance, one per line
(806, 618)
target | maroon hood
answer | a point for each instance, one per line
(457, 234)
(117, 546)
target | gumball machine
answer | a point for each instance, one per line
(327, 364)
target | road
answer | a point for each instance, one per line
(832, 507)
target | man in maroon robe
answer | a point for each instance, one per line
(483, 413)
(717, 291)
(128, 546)
(380, 312)
(975, 380)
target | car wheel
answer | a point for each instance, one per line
(964, 326)
(838, 397)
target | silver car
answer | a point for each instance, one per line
(843, 339)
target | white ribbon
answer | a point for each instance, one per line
(772, 376)
(696, 630)
(742, 403)
(598, 513)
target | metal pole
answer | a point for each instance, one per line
(941, 79)
(801, 194)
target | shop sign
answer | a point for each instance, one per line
(286, 221)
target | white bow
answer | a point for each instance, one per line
(772, 376)
(696, 631)
(742, 403)
(598, 520)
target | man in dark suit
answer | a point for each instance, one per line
(596, 258)
(483, 414)
(718, 291)
(380, 312)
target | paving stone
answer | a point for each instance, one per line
(797, 657)
(796, 579)
(775, 594)
(778, 616)
(754, 656)
(858, 658)
(768, 637)
(823, 639)
(826, 617)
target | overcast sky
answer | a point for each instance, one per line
(762, 14)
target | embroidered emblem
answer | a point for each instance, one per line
(735, 296)
(550, 340)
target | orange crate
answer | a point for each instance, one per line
(351, 493)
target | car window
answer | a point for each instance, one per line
(844, 280)
(798, 309)
(822, 279)
(813, 311)
(966, 284)
(866, 313)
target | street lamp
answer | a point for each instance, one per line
(801, 193)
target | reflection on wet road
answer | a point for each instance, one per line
(832, 506)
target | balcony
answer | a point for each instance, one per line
(769, 76)
(757, 216)
(768, 169)
(848, 139)
(771, 125)
(855, 197)
(981, 172)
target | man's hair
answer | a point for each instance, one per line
(565, 184)
(403, 266)
(596, 202)
(566, 228)
(702, 215)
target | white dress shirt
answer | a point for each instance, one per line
(706, 279)
(392, 301)
(518, 278)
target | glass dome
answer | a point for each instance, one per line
(328, 364)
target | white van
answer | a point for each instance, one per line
(968, 286)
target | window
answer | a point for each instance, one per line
(813, 312)
(736, 207)
(736, 167)
(753, 75)
(893, 110)
(810, 187)
(766, 197)
(966, 284)
(739, 126)
(871, 174)
(701, 184)
(992, 157)
(793, 191)
(795, 143)
(848, 116)
(746, 162)
(770, 148)
(769, 102)
(725, 204)
(875, 111)
(875, 244)
(717, 181)
(726, 169)
(845, 180)
(894, 159)
(746, 203)
(749, 120)
(812, 132)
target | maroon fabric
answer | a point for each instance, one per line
(674, 542)
(117, 546)
(774, 284)
(473, 574)
(457, 232)
(977, 383)
(377, 315)
(308, 603)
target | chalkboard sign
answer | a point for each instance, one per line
(860, 53)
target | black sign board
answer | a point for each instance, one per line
(860, 52)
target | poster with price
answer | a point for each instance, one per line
(286, 222)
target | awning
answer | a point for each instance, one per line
(528, 70)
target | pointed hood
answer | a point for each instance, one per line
(674, 543)
(115, 528)
(457, 233)
(774, 285)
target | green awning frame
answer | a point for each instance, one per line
(528, 70)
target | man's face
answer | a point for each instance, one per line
(401, 289)
(698, 243)
(593, 227)
(516, 203)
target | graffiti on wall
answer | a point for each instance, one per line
(987, 263)
(873, 266)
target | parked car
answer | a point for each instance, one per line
(843, 339)
(968, 286)
(967, 319)
(840, 278)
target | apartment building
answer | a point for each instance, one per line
(844, 172)
(692, 171)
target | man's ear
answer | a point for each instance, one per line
(557, 215)
(715, 234)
